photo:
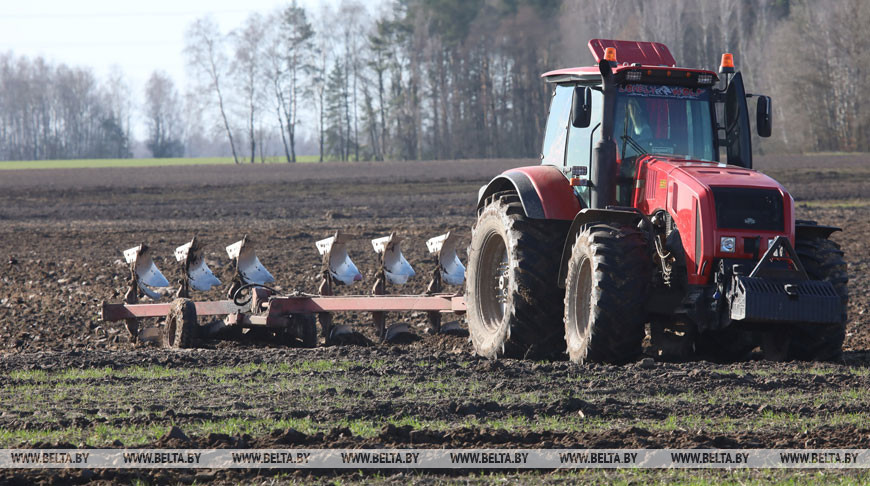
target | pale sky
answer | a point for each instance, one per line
(140, 37)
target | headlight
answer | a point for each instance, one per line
(632, 76)
(705, 79)
(727, 244)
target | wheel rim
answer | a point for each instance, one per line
(583, 300)
(494, 281)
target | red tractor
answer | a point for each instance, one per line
(645, 217)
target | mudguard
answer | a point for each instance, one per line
(543, 189)
(804, 229)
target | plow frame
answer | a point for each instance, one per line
(276, 312)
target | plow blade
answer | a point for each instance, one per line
(398, 332)
(396, 268)
(334, 252)
(199, 276)
(444, 248)
(247, 264)
(146, 272)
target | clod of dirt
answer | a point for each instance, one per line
(334, 215)
(647, 363)
(176, 434)
(391, 432)
(289, 436)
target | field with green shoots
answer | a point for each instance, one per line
(72, 380)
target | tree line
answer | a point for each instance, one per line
(436, 79)
(52, 111)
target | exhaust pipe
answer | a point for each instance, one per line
(604, 154)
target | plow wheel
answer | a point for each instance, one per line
(605, 292)
(514, 302)
(823, 260)
(180, 324)
(306, 331)
(672, 340)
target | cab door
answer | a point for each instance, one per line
(738, 139)
(581, 141)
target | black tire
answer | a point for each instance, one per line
(303, 332)
(823, 260)
(309, 330)
(514, 301)
(181, 325)
(605, 293)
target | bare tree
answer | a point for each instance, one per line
(163, 116)
(204, 48)
(297, 33)
(319, 70)
(119, 98)
(248, 70)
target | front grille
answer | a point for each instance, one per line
(741, 208)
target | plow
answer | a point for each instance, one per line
(251, 304)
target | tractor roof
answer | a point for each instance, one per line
(629, 55)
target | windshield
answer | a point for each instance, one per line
(659, 119)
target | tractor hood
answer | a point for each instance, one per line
(713, 174)
(710, 201)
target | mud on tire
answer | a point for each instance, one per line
(823, 260)
(181, 325)
(605, 292)
(514, 301)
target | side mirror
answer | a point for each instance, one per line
(581, 107)
(763, 113)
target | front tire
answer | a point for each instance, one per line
(605, 293)
(514, 302)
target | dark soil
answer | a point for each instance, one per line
(62, 234)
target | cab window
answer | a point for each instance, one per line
(553, 151)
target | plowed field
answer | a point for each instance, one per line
(70, 379)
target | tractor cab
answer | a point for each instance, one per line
(656, 108)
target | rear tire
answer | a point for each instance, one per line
(514, 302)
(823, 260)
(605, 292)
(180, 325)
